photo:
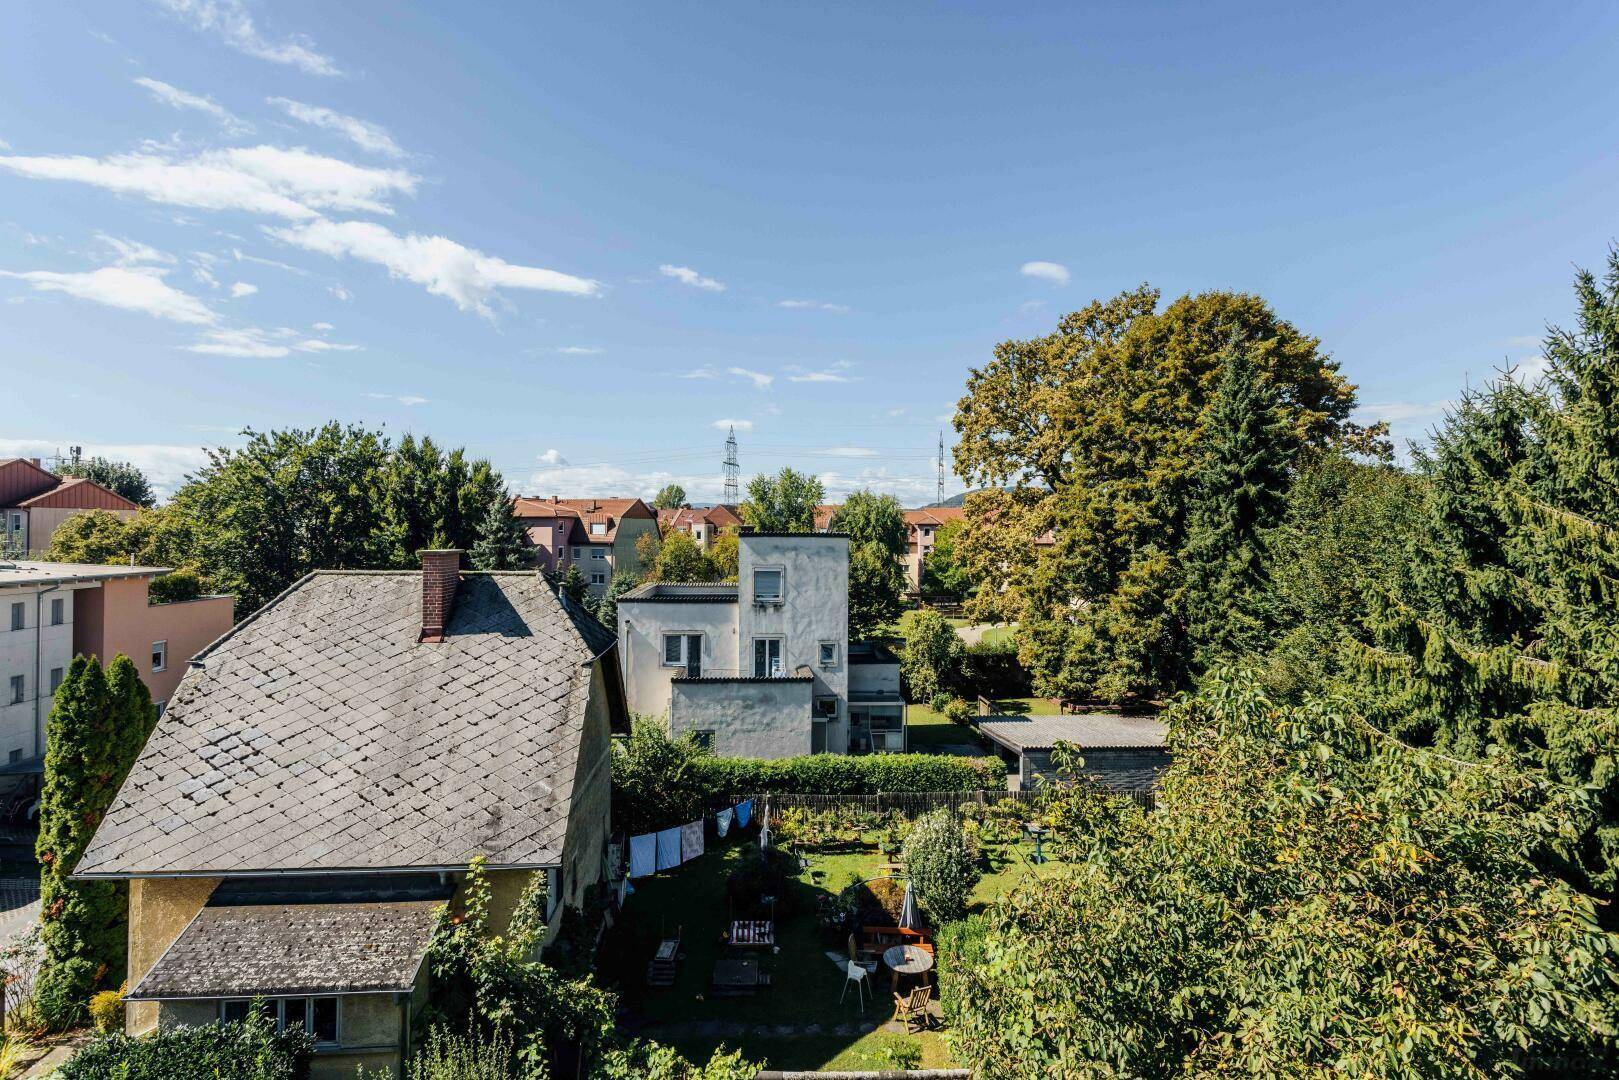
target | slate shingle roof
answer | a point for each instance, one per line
(1094, 731)
(294, 949)
(320, 735)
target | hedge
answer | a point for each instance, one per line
(838, 774)
(249, 1050)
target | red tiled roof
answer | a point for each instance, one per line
(684, 517)
(27, 486)
(934, 515)
(608, 512)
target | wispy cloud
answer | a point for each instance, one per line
(241, 289)
(580, 350)
(294, 184)
(175, 98)
(726, 425)
(362, 133)
(340, 292)
(241, 256)
(129, 288)
(817, 305)
(251, 342)
(1056, 273)
(687, 276)
(132, 252)
(229, 19)
(443, 267)
(758, 378)
(849, 452)
(833, 373)
(322, 327)
(403, 399)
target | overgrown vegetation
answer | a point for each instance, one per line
(942, 865)
(245, 1050)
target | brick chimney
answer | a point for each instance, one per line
(441, 574)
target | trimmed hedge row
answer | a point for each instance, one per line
(838, 774)
(250, 1050)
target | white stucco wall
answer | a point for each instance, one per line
(874, 678)
(641, 627)
(768, 718)
(814, 608)
(17, 649)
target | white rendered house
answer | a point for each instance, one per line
(763, 668)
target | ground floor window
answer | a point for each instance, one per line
(704, 738)
(320, 1016)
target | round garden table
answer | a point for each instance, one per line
(907, 960)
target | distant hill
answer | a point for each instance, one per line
(954, 500)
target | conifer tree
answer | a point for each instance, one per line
(1241, 493)
(500, 538)
(98, 723)
(574, 586)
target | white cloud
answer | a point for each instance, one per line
(253, 343)
(340, 292)
(849, 452)
(608, 481)
(757, 378)
(818, 305)
(726, 425)
(165, 466)
(1401, 412)
(132, 252)
(579, 350)
(403, 399)
(322, 327)
(1056, 273)
(241, 257)
(130, 288)
(294, 184)
(362, 133)
(241, 289)
(1030, 307)
(442, 266)
(175, 98)
(687, 276)
(833, 373)
(4, 145)
(552, 457)
(230, 20)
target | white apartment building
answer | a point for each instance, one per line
(36, 647)
(763, 668)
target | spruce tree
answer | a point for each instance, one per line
(98, 723)
(574, 586)
(1505, 636)
(500, 544)
(1241, 492)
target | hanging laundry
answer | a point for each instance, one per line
(643, 855)
(691, 840)
(744, 810)
(669, 848)
(722, 821)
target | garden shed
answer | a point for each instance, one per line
(1123, 752)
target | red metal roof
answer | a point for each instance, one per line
(27, 486)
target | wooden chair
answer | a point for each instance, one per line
(912, 1008)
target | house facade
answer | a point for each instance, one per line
(701, 523)
(763, 667)
(323, 779)
(52, 612)
(34, 501)
(596, 535)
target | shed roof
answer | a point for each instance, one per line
(320, 735)
(36, 572)
(1089, 731)
(282, 949)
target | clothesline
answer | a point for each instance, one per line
(669, 848)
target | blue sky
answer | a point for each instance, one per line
(581, 239)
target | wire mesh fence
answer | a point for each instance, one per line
(911, 804)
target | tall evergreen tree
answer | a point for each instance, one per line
(574, 586)
(500, 544)
(1240, 494)
(1506, 634)
(98, 723)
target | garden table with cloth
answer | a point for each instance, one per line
(907, 960)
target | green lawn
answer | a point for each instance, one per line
(805, 985)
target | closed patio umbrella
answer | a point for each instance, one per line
(909, 917)
(764, 828)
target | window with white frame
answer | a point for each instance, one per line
(598, 577)
(598, 553)
(56, 678)
(682, 650)
(57, 611)
(767, 585)
(829, 654)
(17, 689)
(19, 615)
(320, 1016)
(826, 708)
(160, 655)
(767, 657)
(598, 528)
(576, 552)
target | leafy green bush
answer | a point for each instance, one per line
(991, 669)
(446, 1056)
(247, 1050)
(942, 865)
(640, 1060)
(930, 660)
(961, 949)
(176, 586)
(107, 1010)
(960, 711)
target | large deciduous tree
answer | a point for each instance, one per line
(877, 544)
(785, 502)
(98, 723)
(119, 476)
(681, 560)
(1095, 436)
(669, 497)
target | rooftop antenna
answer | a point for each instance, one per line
(939, 498)
(732, 469)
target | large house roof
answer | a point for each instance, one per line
(319, 735)
(933, 515)
(608, 512)
(25, 485)
(1087, 731)
(684, 517)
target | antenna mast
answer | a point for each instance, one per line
(939, 499)
(732, 469)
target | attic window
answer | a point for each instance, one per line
(598, 528)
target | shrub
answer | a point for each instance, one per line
(176, 586)
(446, 1056)
(962, 950)
(247, 1050)
(640, 1060)
(931, 658)
(942, 865)
(960, 711)
(839, 774)
(107, 1010)
(991, 669)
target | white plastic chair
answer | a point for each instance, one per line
(856, 974)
